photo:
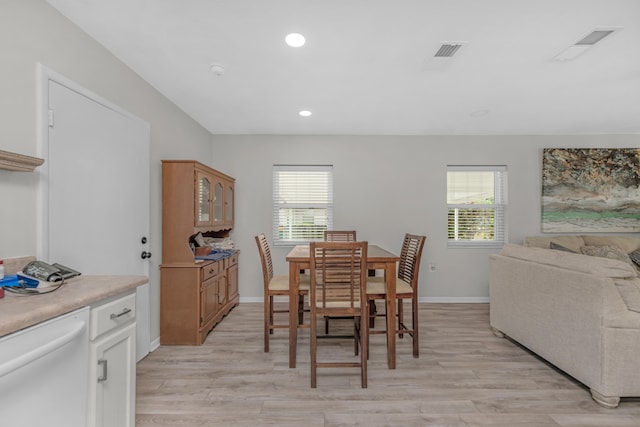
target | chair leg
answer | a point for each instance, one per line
(271, 313)
(415, 334)
(300, 309)
(356, 335)
(268, 314)
(313, 339)
(400, 318)
(364, 353)
(365, 340)
(372, 314)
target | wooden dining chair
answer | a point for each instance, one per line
(338, 288)
(277, 286)
(406, 288)
(337, 236)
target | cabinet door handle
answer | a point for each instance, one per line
(103, 377)
(124, 311)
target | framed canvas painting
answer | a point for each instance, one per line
(590, 190)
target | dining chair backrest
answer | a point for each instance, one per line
(410, 254)
(339, 235)
(338, 277)
(265, 258)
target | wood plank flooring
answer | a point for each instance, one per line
(465, 376)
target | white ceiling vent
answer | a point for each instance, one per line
(585, 43)
(448, 49)
(594, 37)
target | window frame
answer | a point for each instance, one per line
(499, 207)
(278, 204)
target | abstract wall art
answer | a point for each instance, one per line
(590, 190)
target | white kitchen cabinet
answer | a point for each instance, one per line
(112, 379)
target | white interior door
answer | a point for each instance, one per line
(98, 190)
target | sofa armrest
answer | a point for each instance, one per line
(555, 312)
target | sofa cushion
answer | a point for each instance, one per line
(558, 247)
(635, 257)
(607, 251)
(573, 243)
(630, 292)
(600, 267)
(626, 243)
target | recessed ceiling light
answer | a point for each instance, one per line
(305, 113)
(295, 39)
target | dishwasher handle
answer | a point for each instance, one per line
(40, 351)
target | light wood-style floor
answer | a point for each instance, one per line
(465, 376)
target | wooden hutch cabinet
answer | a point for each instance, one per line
(194, 295)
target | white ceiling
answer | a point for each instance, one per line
(368, 66)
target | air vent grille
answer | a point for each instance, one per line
(447, 50)
(594, 37)
(585, 43)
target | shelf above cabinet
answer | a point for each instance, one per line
(18, 162)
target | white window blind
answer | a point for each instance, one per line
(302, 203)
(476, 206)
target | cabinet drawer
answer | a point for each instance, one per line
(112, 314)
(210, 270)
(232, 260)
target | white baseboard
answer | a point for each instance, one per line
(255, 299)
(454, 300)
(153, 346)
(439, 300)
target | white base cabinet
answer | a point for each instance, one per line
(112, 349)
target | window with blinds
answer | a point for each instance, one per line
(476, 206)
(302, 203)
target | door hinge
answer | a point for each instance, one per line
(50, 118)
(103, 376)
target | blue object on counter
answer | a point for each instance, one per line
(17, 280)
(9, 280)
(216, 255)
(28, 282)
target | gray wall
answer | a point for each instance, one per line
(388, 185)
(30, 32)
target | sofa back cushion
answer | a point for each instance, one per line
(627, 244)
(576, 242)
(607, 251)
(600, 267)
(573, 243)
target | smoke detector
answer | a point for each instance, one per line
(217, 69)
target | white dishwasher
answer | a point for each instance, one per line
(44, 372)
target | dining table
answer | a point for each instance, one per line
(377, 259)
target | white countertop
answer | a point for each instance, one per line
(20, 311)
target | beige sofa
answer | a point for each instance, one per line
(579, 312)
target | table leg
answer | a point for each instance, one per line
(294, 284)
(390, 284)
